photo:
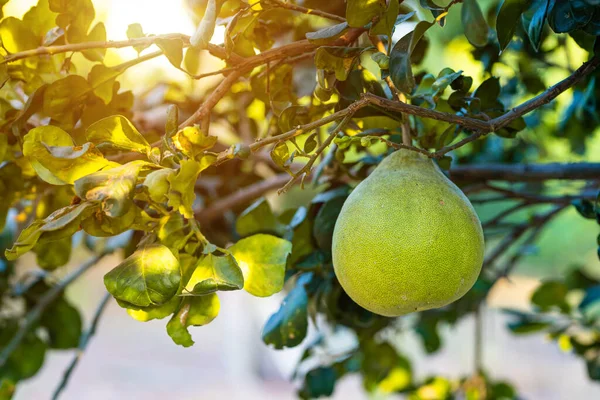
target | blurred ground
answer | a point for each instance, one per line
(128, 359)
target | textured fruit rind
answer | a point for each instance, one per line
(407, 239)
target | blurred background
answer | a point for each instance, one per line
(130, 359)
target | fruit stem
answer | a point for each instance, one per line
(406, 138)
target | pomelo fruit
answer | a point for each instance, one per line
(407, 239)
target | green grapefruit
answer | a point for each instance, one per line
(407, 239)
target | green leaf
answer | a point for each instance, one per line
(325, 222)
(257, 218)
(339, 60)
(280, 154)
(56, 160)
(40, 19)
(61, 223)
(63, 324)
(17, 36)
(569, 15)
(117, 132)
(328, 34)
(288, 326)
(100, 224)
(360, 12)
(192, 141)
(585, 208)
(311, 143)
(215, 273)
(400, 62)
(533, 21)
(102, 79)
(193, 311)
(64, 96)
(97, 34)
(150, 276)
(135, 31)
(26, 360)
(318, 382)
(387, 23)
(191, 60)
(526, 326)
(157, 183)
(173, 49)
(590, 304)
(51, 255)
(113, 188)
(550, 294)
(145, 314)
(507, 20)
(181, 191)
(262, 259)
(476, 28)
(488, 93)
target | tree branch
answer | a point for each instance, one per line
(526, 172)
(215, 50)
(517, 232)
(241, 197)
(308, 11)
(36, 312)
(83, 343)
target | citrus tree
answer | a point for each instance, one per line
(312, 94)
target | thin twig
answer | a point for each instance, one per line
(83, 343)
(518, 231)
(308, 11)
(306, 169)
(215, 50)
(36, 312)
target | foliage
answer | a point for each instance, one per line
(79, 157)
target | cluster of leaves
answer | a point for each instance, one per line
(72, 160)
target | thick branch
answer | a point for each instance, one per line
(242, 197)
(526, 172)
(36, 312)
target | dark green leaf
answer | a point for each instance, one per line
(507, 20)
(63, 324)
(400, 58)
(533, 21)
(526, 327)
(318, 382)
(550, 294)
(325, 222)
(476, 28)
(585, 208)
(288, 326)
